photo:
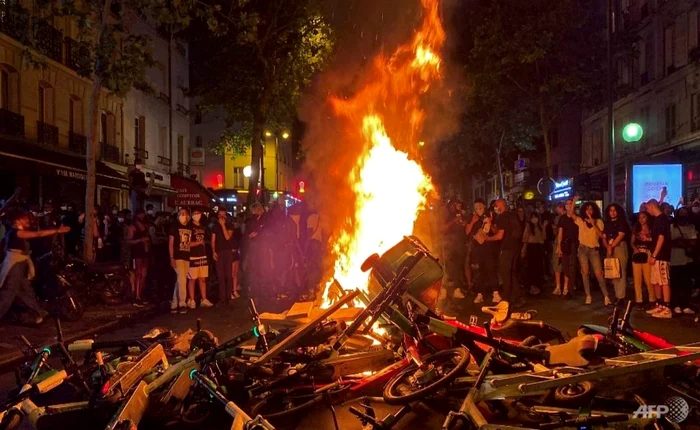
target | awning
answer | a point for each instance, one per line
(164, 191)
(190, 193)
(25, 157)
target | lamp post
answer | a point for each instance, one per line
(611, 121)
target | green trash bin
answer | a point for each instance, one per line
(424, 281)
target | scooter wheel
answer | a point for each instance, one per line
(413, 384)
(575, 395)
(11, 420)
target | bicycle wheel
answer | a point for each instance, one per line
(283, 408)
(414, 383)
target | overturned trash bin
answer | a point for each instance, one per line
(424, 280)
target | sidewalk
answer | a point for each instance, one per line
(96, 320)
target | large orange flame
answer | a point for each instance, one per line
(390, 188)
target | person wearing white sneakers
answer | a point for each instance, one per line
(477, 231)
(179, 240)
(660, 259)
(590, 231)
(199, 266)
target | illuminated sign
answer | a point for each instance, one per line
(562, 189)
(649, 179)
(529, 195)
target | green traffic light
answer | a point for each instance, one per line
(632, 132)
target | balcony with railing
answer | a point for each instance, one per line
(14, 22)
(49, 40)
(140, 153)
(77, 143)
(46, 134)
(183, 169)
(111, 153)
(77, 55)
(164, 161)
(11, 123)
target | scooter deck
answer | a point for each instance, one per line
(133, 408)
(539, 382)
(154, 355)
(291, 340)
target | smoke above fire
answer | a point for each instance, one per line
(371, 118)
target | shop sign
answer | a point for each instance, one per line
(197, 157)
(522, 164)
(562, 189)
(72, 174)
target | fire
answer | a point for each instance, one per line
(389, 186)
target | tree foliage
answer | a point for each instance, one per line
(529, 60)
(257, 70)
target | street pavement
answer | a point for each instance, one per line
(567, 314)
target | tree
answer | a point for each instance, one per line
(116, 57)
(257, 70)
(538, 57)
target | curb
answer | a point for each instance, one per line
(10, 361)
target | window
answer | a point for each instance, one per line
(181, 149)
(695, 112)
(669, 49)
(163, 137)
(140, 132)
(104, 134)
(42, 104)
(198, 116)
(238, 177)
(597, 146)
(671, 122)
(648, 60)
(198, 141)
(71, 116)
(4, 89)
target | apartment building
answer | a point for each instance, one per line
(659, 89)
(44, 116)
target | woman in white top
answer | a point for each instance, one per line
(590, 228)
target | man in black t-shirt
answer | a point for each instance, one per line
(660, 260)
(199, 265)
(510, 234)
(222, 247)
(179, 241)
(567, 248)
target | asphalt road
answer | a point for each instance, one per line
(566, 314)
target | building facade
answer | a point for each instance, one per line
(228, 175)
(44, 116)
(659, 89)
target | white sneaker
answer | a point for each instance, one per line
(607, 301)
(557, 291)
(677, 310)
(479, 298)
(663, 312)
(458, 294)
(191, 304)
(496, 298)
(206, 303)
(654, 310)
(688, 311)
(443, 294)
(589, 300)
(173, 307)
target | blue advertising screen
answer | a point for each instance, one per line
(649, 179)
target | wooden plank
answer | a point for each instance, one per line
(290, 341)
(300, 310)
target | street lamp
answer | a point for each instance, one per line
(285, 135)
(632, 132)
(247, 171)
(268, 134)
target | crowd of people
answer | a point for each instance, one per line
(168, 256)
(499, 252)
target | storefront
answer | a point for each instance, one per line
(44, 174)
(190, 193)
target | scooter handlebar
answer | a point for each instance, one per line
(51, 382)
